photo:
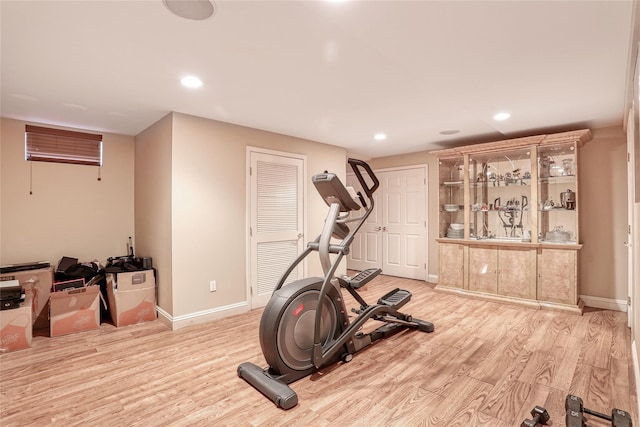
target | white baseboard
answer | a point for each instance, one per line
(204, 316)
(432, 278)
(605, 303)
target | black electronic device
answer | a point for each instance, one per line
(65, 263)
(11, 297)
(14, 268)
(68, 284)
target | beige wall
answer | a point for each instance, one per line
(603, 215)
(190, 206)
(603, 207)
(70, 212)
(208, 206)
(153, 204)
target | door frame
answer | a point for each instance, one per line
(248, 248)
(632, 246)
(424, 166)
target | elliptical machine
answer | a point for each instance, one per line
(305, 325)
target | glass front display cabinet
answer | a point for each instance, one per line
(500, 192)
(508, 210)
(451, 192)
(558, 194)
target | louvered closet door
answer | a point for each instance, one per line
(276, 232)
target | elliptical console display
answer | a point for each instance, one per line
(305, 325)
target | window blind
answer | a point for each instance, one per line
(62, 146)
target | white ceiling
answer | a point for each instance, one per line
(334, 72)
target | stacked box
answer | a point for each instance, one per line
(38, 283)
(15, 326)
(132, 297)
(75, 310)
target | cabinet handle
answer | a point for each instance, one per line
(377, 229)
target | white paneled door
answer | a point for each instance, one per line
(632, 246)
(276, 196)
(366, 249)
(394, 237)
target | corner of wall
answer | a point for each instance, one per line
(636, 371)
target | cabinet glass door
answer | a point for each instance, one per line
(500, 190)
(451, 178)
(557, 194)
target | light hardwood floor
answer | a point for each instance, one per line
(487, 364)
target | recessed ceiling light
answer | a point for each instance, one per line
(191, 81)
(449, 132)
(380, 136)
(191, 9)
(501, 116)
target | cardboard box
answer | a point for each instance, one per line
(74, 310)
(38, 283)
(15, 326)
(132, 297)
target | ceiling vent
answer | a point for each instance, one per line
(191, 9)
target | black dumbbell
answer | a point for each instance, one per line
(576, 410)
(540, 418)
(620, 418)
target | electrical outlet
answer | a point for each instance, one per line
(212, 286)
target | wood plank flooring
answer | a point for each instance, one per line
(486, 364)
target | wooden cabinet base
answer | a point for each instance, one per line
(537, 305)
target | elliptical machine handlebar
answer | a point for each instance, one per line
(356, 165)
(336, 196)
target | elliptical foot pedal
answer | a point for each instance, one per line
(396, 298)
(362, 278)
(276, 391)
(423, 325)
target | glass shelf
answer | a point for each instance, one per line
(557, 194)
(452, 191)
(500, 192)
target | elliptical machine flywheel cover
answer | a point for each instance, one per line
(287, 325)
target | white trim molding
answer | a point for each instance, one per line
(179, 322)
(605, 303)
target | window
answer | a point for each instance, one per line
(62, 146)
